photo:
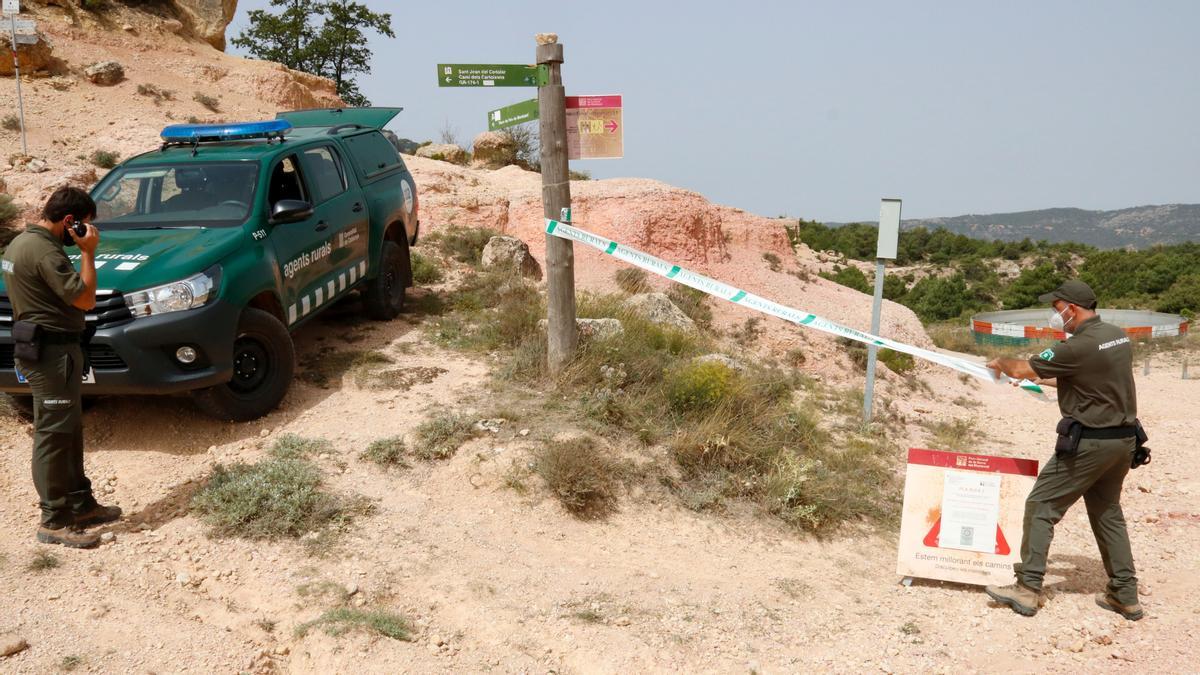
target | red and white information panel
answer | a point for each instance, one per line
(594, 127)
(962, 516)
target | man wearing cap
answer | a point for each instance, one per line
(1093, 370)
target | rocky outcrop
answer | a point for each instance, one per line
(493, 150)
(447, 152)
(658, 308)
(32, 58)
(207, 19)
(511, 253)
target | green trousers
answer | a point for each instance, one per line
(62, 486)
(1095, 473)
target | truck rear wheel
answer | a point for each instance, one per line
(383, 297)
(263, 363)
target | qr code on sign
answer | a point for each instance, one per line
(967, 536)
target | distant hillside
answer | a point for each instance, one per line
(1139, 227)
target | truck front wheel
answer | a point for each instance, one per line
(383, 297)
(263, 363)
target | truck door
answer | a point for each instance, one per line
(300, 247)
(339, 203)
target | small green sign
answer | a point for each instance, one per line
(491, 75)
(512, 115)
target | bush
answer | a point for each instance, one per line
(773, 261)
(698, 386)
(386, 452)
(579, 174)
(105, 159)
(43, 561)
(424, 270)
(441, 437)
(338, 621)
(159, 95)
(632, 280)
(580, 475)
(1183, 297)
(1032, 282)
(9, 212)
(464, 244)
(850, 277)
(898, 362)
(11, 123)
(267, 500)
(207, 101)
(692, 302)
(291, 446)
(493, 309)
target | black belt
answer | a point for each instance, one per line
(1108, 433)
(55, 338)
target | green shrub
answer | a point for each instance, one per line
(386, 452)
(898, 362)
(632, 280)
(441, 437)
(292, 446)
(464, 244)
(267, 500)
(43, 561)
(11, 123)
(579, 174)
(493, 309)
(339, 621)
(9, 212)
(850, 277)
(424, 270)
(1183, 297)
(580, 475)
(773, 261)
(158, 94)
(698, 386)
(105, 159)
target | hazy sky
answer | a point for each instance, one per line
(819, 109)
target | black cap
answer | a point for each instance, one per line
(1074, 291)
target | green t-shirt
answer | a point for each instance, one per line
(1095, 375)
(41, 281)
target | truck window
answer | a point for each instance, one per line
(372, 153)
(213, 195)
(285, 181)
(324, 173)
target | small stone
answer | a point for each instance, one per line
(523, 432)
(264, 433)
(323, 455)
(1116, 654)
(352, 589)
(1078, 646)
(621, 621)
(1144, 590)
(36, 165)
(183, 578)
(172, 25)
(11, 644)
(108, 537)
(54, 596)
(437, 640)
(128, 28)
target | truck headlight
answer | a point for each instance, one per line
(173, 297)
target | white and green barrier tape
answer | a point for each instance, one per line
(746, 299)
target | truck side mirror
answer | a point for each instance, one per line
(290, 211)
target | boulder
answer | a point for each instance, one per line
(511, 253)
(447, 152)
(207, 19)
(31, 58)
(494, 150)
(172, 25)
(658, 308)
(105, 73)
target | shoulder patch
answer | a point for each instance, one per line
(1047, 355)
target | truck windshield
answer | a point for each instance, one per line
(191, 195)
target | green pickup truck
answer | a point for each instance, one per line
(218, 245)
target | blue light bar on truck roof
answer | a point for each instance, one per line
(237, 131)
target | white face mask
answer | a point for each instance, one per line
(1056, 320)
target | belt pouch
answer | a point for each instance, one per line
(27, 343)
(1069, 432)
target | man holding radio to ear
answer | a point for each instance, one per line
(49, 298)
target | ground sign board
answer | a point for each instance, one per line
(594, 127)
(512, 115)
(962, 516)
(489, 75)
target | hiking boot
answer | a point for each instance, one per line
(98, 515)
(72, 537)
(1132, 612)
(1023, 600)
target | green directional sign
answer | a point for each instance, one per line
(512, 115)
(490, 75)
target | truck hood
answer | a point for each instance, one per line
(130, 260)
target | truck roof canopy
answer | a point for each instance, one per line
(372, 118)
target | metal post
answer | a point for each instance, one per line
(561, 337)
(1146, 366)
(1184, 375)
(12, 18)
(876, 309)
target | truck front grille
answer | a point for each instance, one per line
(110, 310)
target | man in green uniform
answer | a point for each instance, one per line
(46, 291)
(1094, 373)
